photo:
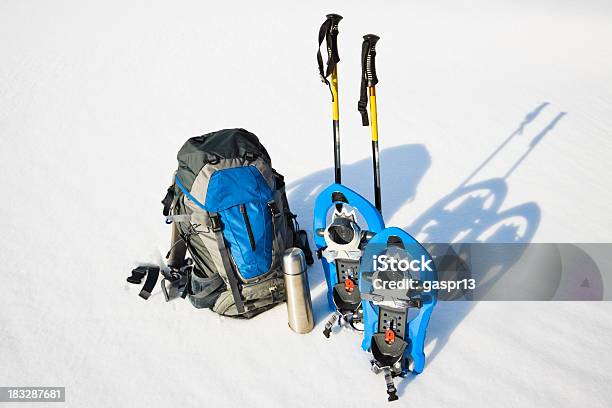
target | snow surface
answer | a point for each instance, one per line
(97, 97)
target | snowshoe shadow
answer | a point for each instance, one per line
(473, 213)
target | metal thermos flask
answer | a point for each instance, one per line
(299, 304)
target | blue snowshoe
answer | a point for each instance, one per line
(395, 279)
(339, 245)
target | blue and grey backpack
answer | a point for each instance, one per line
(228, 208)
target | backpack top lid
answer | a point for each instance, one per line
(212, 147)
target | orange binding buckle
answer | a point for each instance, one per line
(349, 285)
(389, 336)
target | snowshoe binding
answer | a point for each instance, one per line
(396, 304)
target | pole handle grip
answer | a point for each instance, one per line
(368, 74)
(328, 33)
(332, 38)
(369, 45)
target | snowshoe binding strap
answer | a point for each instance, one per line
(346, 296)
(391, 390)
(388, 351)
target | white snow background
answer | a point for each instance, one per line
(96, 98)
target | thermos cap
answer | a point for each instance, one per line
(294, 262)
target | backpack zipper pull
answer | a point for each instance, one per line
(247, 224)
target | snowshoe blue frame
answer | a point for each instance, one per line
(417, 326)
(323, 204)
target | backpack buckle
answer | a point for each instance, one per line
(272, 290)
(274, 209)
(212, 158)
(215, 222)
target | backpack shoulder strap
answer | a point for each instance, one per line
(278, 242)
(215, 225)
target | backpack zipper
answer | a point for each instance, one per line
(247, 223)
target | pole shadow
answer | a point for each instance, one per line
(472, 212)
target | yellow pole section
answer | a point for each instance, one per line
(373, 115)
(334, 89)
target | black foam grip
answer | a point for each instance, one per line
(333, 37)
(370, 73)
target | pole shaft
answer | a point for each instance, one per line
(376, 165)
(336, 124)
(373, 114)
(375, 155)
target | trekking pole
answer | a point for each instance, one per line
(329, 32)
(368, 87)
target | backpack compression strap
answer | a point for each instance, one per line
(199, 289)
